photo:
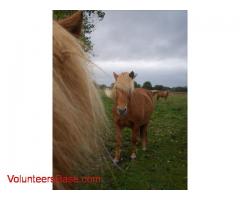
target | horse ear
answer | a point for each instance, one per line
(132, 74)
(73, 23)
(115, 75)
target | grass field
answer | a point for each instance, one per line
(164, 164)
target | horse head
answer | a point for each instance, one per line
(123, 88)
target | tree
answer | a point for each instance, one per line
(147, 85)
(111, 85)
(158, 87)
(179, 89)
(102, 86)
(136, 85)
(89, 17)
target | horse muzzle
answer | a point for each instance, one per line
(122, 111)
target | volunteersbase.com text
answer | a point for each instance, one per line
(55, 179)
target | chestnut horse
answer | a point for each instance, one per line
(163, 94)
(133, 109)
(78, 114)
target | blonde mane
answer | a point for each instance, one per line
(79, 120)
(124, 83)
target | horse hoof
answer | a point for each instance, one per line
(115, 161)
(133, 156)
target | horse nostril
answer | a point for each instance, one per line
(122, 110)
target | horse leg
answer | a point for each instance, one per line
(135, 133)
(144, 137)
(118, 144)
(141, 132)
(140, 135)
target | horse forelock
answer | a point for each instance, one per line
(124, 83)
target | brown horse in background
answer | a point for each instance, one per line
(133, 109)
(163, 94)
(78, 116)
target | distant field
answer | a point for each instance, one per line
(164, 164)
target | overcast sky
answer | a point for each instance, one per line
(151, 43)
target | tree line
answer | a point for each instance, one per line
(148, 85)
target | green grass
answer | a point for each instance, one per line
(164, 164)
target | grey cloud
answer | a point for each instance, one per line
(143, 35)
